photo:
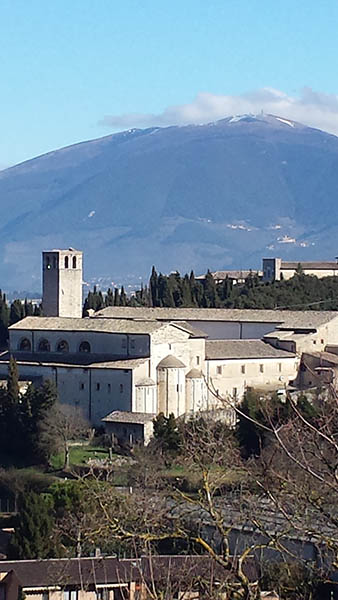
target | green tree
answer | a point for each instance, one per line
(13, 382)
(165, 291)
(35, 404)
(33, 537)
(210, 292)
(4, 319)
(109, 299)
(153, 285)
(123, 297)
(299, 270)
(167, 435)
(28, 309)
(16, 312)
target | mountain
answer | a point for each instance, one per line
(216, 196)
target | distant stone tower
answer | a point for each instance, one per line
(62, 283)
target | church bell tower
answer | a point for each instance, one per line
(62, 283)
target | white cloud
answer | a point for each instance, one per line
(315, 109)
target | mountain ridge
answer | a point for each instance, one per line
(218, 195)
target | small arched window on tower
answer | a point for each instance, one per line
(66, 262)
(54, 262)
(44, 345)
(74, 262)
(84, 347)
(25, 345)
(62, 346)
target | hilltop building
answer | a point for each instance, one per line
(235, 276)
(275, 269)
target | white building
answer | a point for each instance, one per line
(295, 331)
(101, 365)
(275, 269)
(124, 365)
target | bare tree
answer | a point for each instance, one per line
(271, 505)
(60, 425)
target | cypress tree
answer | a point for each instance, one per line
(4, 319)
(186, 292)
(33, 537)
(165, 291)
(153, 284)
(13, 382)
(16, 312)
(116, 297)
(109, 300)
(249, 435)
(123, 297)
(38, 310)
(210, 292)
(28, 309)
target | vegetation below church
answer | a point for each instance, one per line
(196, 488)
(233, 487)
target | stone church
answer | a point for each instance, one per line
(123, 365)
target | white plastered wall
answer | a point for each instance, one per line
(231, 377)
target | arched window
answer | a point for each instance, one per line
(74, 262)
(66, 262)
(62, 346)
(84, 347)
(44, 345)
(25, 345)
(54, 262)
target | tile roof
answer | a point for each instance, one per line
(290, 319)
(313, 265)
(194, 374)
(170, 362)
(328, 357)
(230, 274)
(99, 325)
(228, 349)
(120, 416)
(92, 572)
(145, 382)
(50, 360)
(194, 331)
(70, 571)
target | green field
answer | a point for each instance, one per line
(79, 456)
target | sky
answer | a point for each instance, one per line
(73, 70)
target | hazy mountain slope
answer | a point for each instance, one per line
(218, 195)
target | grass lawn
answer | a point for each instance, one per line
(79, 455)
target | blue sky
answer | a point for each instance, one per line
(72, 70)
